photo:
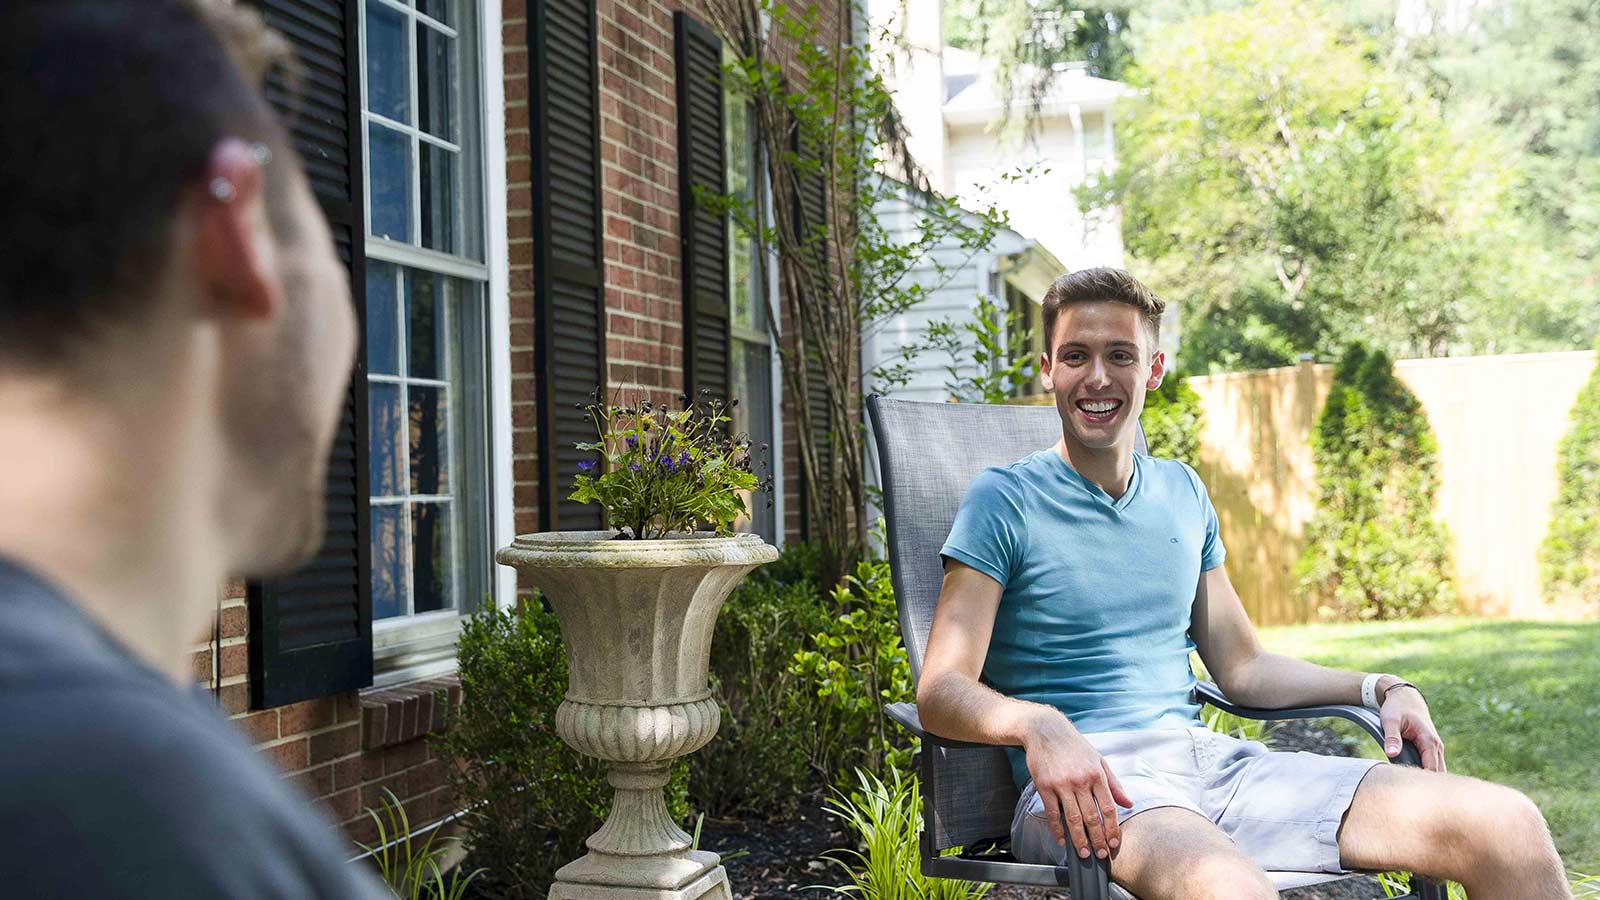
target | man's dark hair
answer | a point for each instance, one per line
(1108, 284)
(113, 108)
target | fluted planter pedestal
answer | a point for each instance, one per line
(637, 619)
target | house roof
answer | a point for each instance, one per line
(973, 94)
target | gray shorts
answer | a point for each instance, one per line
(1282, 810)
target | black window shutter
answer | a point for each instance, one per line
(705, 234)
(811, 213)
(569, 260)
(311, 631)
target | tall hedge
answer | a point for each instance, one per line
(1171, 420)
(1374, 549)
(1570, 556)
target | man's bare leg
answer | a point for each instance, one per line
(1170, 853)
(1490, 838)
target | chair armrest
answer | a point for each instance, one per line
(905, 714)
(1208, 693)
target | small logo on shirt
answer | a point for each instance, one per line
(1174, 540)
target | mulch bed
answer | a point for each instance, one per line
(782, 860)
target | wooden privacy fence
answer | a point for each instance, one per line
(1497, 420)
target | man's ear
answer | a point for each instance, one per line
(1044, 372)
(235, 254)
(1158, 371)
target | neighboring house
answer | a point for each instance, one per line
(510, 187)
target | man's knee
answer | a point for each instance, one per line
(1507, 829)
(1221, 877)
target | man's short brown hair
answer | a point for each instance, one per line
(113, 111)
(1102, 283)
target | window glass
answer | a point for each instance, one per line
(388, 78)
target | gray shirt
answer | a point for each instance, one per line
(115, 782)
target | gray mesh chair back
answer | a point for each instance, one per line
(927, 455)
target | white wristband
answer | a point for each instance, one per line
(1369, 690)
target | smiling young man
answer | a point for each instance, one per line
(1077, 581)
(176, 335)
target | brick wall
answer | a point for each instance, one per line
(345, 749)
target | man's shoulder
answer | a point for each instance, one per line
(1173, 473)
(149, 787)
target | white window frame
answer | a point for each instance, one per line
(423, 645)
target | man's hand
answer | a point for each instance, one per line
(1079, 790)
(1405, 717)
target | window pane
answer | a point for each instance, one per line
(429, 442)
(752, 384)
(384, 423)
(431, 558)
(387, 77)
(749, 309)
(425, 324)
(383, 318)
(437, 84)
(439, 179)
(443, 10)
(390, 163)
(388, 561)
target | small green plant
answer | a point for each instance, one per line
(411, 870)
(1374, 549)
(990, 353)
(1570, 556)
(761, 761)
(663, 470)
(856, 664)
(531, 799)
(1223, 722)
(886, 820)
(1172, 420)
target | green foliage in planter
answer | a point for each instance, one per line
(411, 868)
(531, 799)
(760, 762)
(1171, 420)
(856, 664)
(885, 818)
(1374, 549)
(1570, 556)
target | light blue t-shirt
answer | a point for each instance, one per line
(1094, 618)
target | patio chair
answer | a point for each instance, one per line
(927, 455)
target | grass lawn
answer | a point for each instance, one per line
(1515, 702)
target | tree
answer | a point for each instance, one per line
(1292, 193)
(827, 132)
(1374, 550)
(1570, 556)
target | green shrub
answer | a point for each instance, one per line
(856, 664)
(1171, 421)
(531, 799)
(886, 821)
(1374, 550)
(1570, 556)
(761, 759)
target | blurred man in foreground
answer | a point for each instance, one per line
(175, 337)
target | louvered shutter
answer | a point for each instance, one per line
(811, 213)
(569, 290)
(701, 163)
(311, 632)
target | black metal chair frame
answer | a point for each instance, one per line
(990, 860)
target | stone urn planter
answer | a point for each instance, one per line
(637, 619)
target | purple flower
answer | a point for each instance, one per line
(683, 458)
(633, 442)
(635, 467)
(586, 465)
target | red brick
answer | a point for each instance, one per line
(347, 772)
(374, 725)
(200, 665)
(235, 660)
(288, 756)
(348, 707)
(328, 745)
(259, 727)
(308, 715)
(343, 805)
(234, 698)
(235, 621)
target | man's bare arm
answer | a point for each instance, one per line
(951, 701)
(1250, 676)
(1075, 785)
